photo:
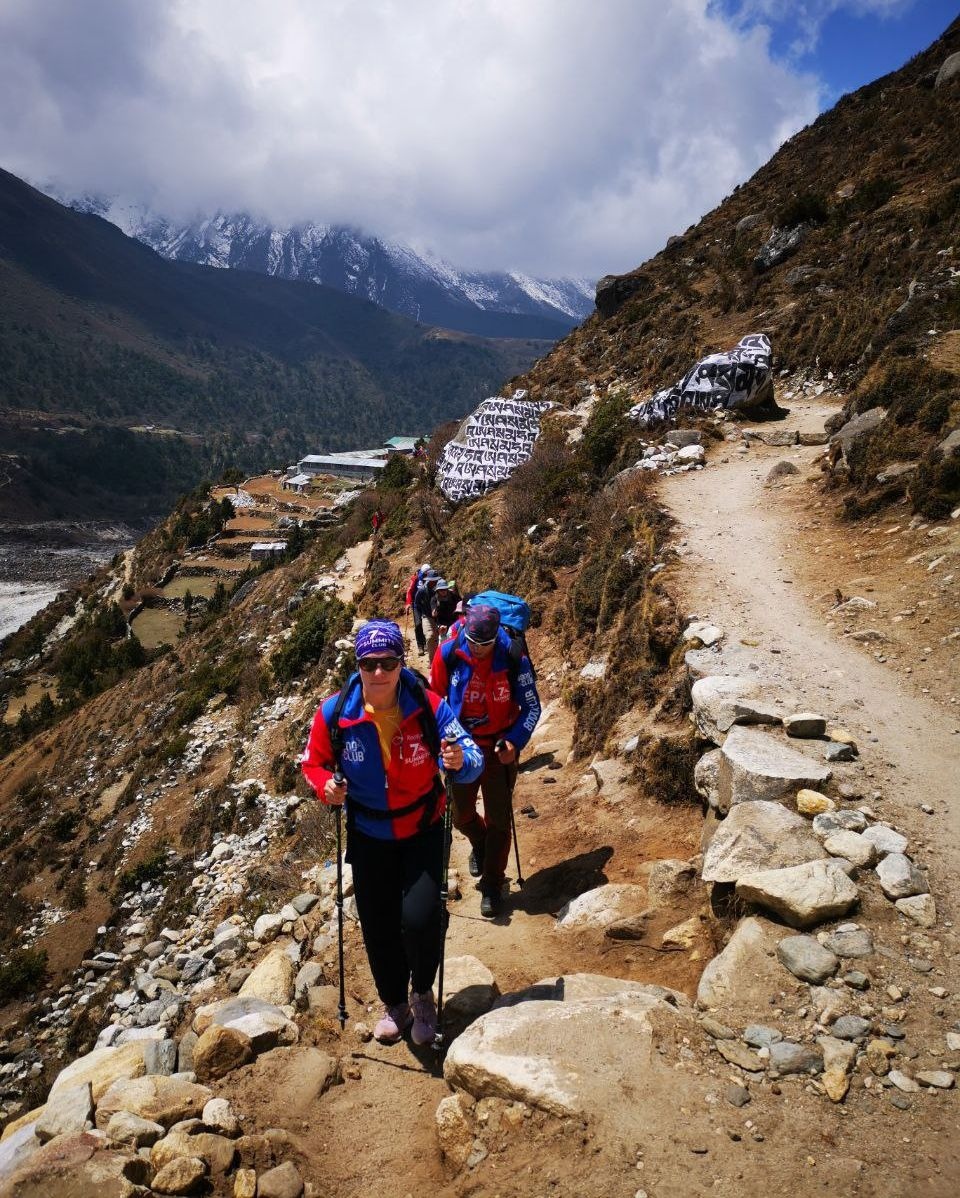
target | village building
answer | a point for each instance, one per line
(361, 465)
(302, 484)
(264, 550)
(404, 445)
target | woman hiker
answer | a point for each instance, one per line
(492, 690)
(389, 731)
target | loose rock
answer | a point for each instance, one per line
(921, 908)
(756, 836)
(807, 958)
(805, 725)
(219, 1051)
(900, 878)
(802, 895)
(282, 1182)
(180, 1176)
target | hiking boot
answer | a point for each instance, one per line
(393, 1023)
(475, 864)
(424, 1017)
(490, 906)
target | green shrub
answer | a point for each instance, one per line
(22, 971)
(398, 473)
(148, 870)
(539, 487)
(319, 622)
(807, 208)
(605, 432)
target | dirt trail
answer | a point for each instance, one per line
(742, 568)
(375, 1136)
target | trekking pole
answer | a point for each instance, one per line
(502, 744)
(342, 1011)
(444, 884)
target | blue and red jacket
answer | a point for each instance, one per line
(513, 707)
(372, 792)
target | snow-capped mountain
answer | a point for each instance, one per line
(423, 287)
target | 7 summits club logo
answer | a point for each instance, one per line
(353, 751)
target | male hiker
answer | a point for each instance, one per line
(444, 606)
(423, 607)
(489, 683)
(383, 733)
(415, 580)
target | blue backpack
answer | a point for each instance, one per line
(515, 618)
(514, 611)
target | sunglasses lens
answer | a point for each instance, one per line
(387, 664)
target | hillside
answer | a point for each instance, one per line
(865, 204)
(125, 378)
(423, 288)
(733, 964)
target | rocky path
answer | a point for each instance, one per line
(742, 562)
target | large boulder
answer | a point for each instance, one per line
(779, 246)
(754, 765)
(160, 1099)
(722, 700)
(594, 1058)
(272, 980)
(68, 1111)
(219, 1051)
(101, 1068)
(759, 835)
(801, 895)
(854, 429)
(613, 291)
(949, 70)
(745, 973)
(77, 1166)
(603, 906)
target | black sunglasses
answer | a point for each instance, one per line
(387, 664)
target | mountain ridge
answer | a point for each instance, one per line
(100, 336)
(421, 286)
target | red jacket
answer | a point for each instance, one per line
(372, 792)
(513, 709)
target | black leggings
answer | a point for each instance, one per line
(397, 888)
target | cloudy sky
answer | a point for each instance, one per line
(552, 136)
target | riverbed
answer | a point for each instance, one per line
(38, 561)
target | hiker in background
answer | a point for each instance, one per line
(491, 688)
(459, 616)
(376, 519)
(444, 607)
(383, 731)
(423, 605)
(415, 579)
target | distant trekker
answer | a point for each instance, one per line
(423, 606)
(491, 688)
(388, 736)
(415, 579)
(444, 607)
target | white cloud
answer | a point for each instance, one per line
(555, 136)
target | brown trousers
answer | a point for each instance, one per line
(489, 834)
